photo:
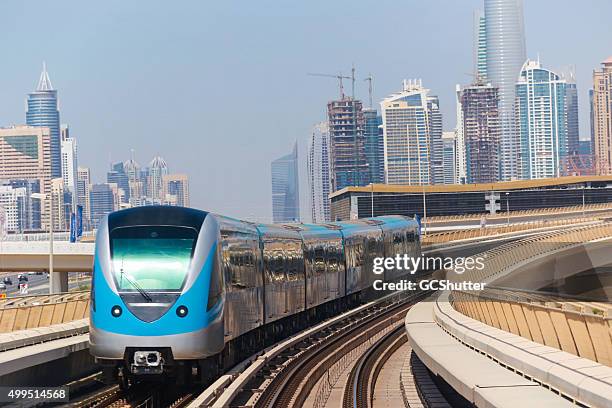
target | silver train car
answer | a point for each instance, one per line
(183, 293)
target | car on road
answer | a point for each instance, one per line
(7, 281)
(2, 286)
(22, 278)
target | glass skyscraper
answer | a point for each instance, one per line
(505, 50)
(480, 45)
(541, 108)
(285, 188)
(374, 146)
(42, 111)
(412, 128)
(319, 173)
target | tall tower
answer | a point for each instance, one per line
(460, 164)
(285, 188)
(69, 161)
(374, 146)
(480, 45)
(412, 130)
(319, 174)
(602, 117)
(157, 170)
(436, 147)
(83, 187)
(541, 113)
(481, 130)
(505, 50)
(346, 134)
(42, 111)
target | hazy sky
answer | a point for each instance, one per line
(219, 89)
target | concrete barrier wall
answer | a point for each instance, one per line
(41, 315)
(584, 331)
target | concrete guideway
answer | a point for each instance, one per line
(477, 378)
(38, 356)
(560, 365)
(580, 379)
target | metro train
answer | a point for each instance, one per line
(182, 293)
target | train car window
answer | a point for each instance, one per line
(151, 258)
(216, 285)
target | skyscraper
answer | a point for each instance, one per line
(319, 173)
(25, 154)
(118, 176)
(69, 161)
(12, 214)
(436, 146)
(102, 198)
(480, 45)
(541, 114)
(412, 129)
(82, 187)
(481, 130)
(347, 145)
(505, 50)
(135, 181)
(42, 111)
(449, 157)
(176, 189)
(460, 162)
(602, 117)
(157, 169)
(374, 146)
(285, 188)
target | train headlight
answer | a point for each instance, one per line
(116, 311)
(182, 311)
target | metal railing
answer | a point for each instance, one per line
(44, 236)
(457, 235)
(522, 213)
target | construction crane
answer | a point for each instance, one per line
(339, 77)
(370, 80)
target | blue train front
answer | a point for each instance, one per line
(181, 293)
(157, 295)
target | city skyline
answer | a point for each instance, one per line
(99, 99)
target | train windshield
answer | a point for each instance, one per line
(151, 258)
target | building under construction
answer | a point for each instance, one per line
(348, 162)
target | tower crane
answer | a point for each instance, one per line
(339, 77)
(370, 80)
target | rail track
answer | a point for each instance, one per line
(305, 372)
(142, 395)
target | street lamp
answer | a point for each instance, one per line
(507, 209)
(52, 281)
(583, 200)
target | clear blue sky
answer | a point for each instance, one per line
(219, 89)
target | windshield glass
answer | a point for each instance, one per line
(151, 258)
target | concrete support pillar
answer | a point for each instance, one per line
(58, 282)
